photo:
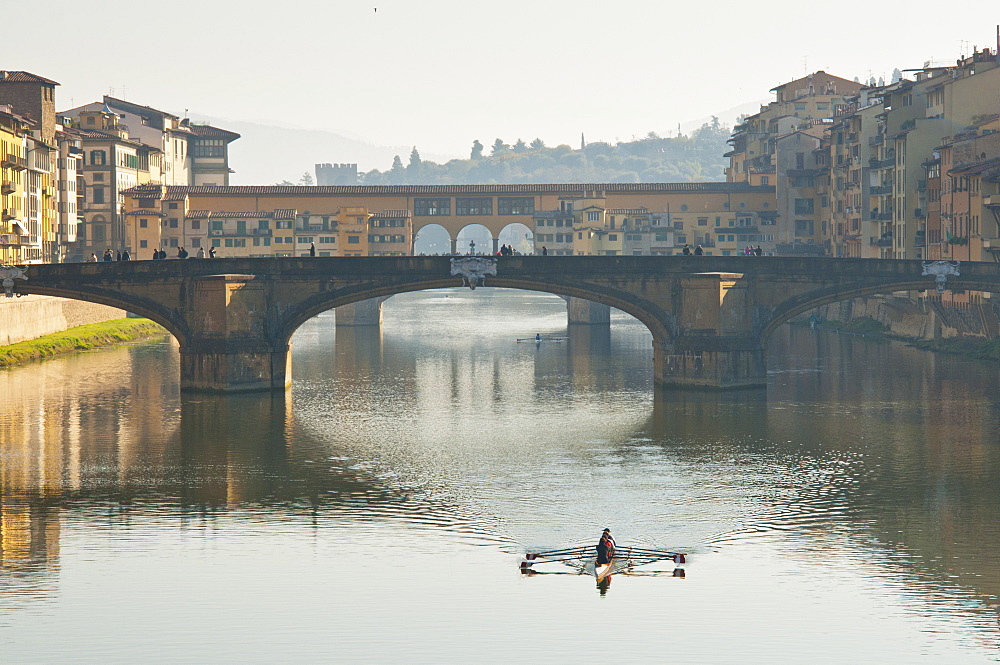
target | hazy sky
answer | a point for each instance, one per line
(439, 73)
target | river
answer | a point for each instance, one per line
(379, 510)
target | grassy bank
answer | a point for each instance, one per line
(970, 347)
(862, 326)
(82, 338)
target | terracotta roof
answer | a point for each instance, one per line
(7, 110)
(284, 213)
(230, 214)
(524, 189)
(392, 214)
(210, 131)
(10, 76)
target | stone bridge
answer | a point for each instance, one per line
(710, 316)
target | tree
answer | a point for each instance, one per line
(307, 179)
(415, 168)
(397, 174)
(538, 144)
(477, 150)
(499, 147)
(897, 75)
(520, 146)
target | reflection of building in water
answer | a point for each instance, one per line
(29, 534)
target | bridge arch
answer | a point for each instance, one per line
(432, 239)
(147, 309)
(796, 305)
(646, 312)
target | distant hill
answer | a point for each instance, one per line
(270, 154)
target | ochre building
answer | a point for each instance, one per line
(563, 219)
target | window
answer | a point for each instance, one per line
(209, 148)
(98, 194)
(593, 216)
(216, 242)
(173, 206)
(703, 221)
(196, 224)
(803, 227)
(215, 226)
(173, 222)
(147, 203)
(509, 205)
(196, 242)
(143, 223)
(98, 157)
(481, 206)
(661, 237)
(354, 240)
(142, 244)
(431, 207)
(305, 240)
(804, 206)
(98, 177)
(613, 237)
(684, 207)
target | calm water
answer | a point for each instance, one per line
(378, 511)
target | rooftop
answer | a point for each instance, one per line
(410, 190)
(10, 76)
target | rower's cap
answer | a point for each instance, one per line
(607, 531)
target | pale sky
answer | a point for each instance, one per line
(439, 73)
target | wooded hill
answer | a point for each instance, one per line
(697, 157)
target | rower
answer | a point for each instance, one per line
(605, 548)
(607, 532)
(538, 337)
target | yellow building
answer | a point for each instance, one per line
(14, 239)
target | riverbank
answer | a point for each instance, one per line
(80, 338)
(979, 348)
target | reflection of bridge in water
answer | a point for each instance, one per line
(709, 316)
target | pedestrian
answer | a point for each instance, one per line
(118, 255)
(686, 250)
(759, 251)
(108, 256)
(126, 256)
(93, 258)
(211, 253)
(312, 249)
(182, 253)
(201, 253)
(545, 250)
(698, 251)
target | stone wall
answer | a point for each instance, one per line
(917, 319)
(33, 316)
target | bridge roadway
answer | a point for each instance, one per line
(710, 316)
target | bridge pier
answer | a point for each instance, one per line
(587, 312)
(230, 346)
(711, 363)
(362, 313)
(223, 366)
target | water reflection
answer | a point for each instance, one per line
(866, 462)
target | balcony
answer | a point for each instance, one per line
(881, 190)
(14, 162)
(991, 200)
(919, 213)
(9, 214)
(8, 187)
(882, 163)
(875, 141)
(881, 242)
